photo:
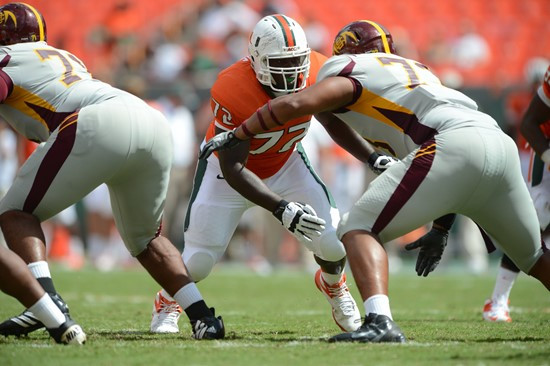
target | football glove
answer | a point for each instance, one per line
(222, 141)
(431, 247)
(379, 162)
(300, 219)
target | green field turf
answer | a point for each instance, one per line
(283, 320)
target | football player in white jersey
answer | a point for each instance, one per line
(453, 159)
(535, 127)
(90, 133)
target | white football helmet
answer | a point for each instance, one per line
(279, 53)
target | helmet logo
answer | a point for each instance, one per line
(5, 15)
(341, 41)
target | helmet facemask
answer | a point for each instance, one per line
(284, 74)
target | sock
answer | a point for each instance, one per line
(41, 272)
(166, 295)
(331, 279)
(190, 300)
(47, 312)
(378, 304)
(503, 285)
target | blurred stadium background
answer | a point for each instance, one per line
(170, 51)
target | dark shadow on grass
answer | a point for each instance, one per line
(37, 335)
(434, 321)
(135, 335)
(486, 340)
(130, 335)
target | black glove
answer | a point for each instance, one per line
(431, 247)
(379, 163)
(222, 141)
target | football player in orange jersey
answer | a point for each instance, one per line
(453, 159)
(535, 127)
(270, 170)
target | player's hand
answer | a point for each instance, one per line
(431, 247)
(222, 141)
(379, 162)
(300, 219)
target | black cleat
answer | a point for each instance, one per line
(61, 304)
(208, 327)
(21, 324)
(26, 322)
(68, 333)
(376, 328)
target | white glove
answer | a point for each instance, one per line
(300, 219)
(379, 163)
(221, 141)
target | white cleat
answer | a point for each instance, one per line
(344, 309)
(166, 314)
(495, 312)
(68, 333)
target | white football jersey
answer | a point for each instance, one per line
(57, 85)
(395, 101)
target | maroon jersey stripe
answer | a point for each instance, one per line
(412, 179)
(51, 164)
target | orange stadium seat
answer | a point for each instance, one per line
(516, 31)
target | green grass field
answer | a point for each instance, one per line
(283, 320)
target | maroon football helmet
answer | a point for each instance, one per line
(363, 36)
(19, 23)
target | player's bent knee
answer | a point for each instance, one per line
(330, 248)
(199, 263)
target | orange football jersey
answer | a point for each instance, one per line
(236, 95)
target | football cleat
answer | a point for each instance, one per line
(208, 327)
(344, 309)
(496, 312)
(21, 324)
(377, 328)
(68, 333)
(26, 322)
(166, 314)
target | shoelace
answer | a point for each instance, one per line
(341, 293)
(170, 309)
(336, 290)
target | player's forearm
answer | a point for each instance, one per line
(251, 187)
(534, 136)
(537, 113)
(244, 181)
(327, 95)
(346, 137)
(267, 118)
